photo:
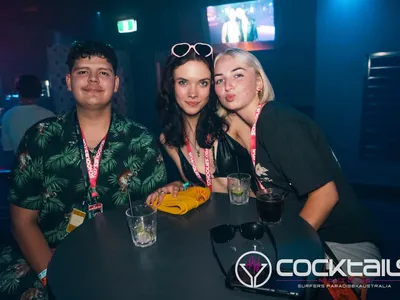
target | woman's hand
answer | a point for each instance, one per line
(155, 198)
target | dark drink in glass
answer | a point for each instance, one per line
(270, 205)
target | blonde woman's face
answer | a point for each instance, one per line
(236, 83)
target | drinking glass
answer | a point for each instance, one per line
(239, 188)
(270, 205)
(142, 223)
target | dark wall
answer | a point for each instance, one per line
(22, 51)
(347, 31)
(291, 66)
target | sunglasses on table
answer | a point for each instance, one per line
(225, 233)
(250, 231)
(182, 49)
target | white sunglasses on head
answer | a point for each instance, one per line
(182, 49)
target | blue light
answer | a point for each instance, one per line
(10, 96)
(98, 13)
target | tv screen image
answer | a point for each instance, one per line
(249, 21)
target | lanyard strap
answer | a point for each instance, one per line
(93, 169)
(208, 182)
(253, 141)
(89, 169)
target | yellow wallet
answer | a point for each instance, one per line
(185, 201)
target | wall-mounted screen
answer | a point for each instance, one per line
(249, 21)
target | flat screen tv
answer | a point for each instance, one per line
(241, 22)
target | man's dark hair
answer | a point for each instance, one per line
(87, 49)
(29, 86)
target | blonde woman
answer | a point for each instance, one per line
(291, 152)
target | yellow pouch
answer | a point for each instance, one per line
(185, 201)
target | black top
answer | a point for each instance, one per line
(292, 153)
(228, 151)
(99, 261)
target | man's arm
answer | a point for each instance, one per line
(153, 173)
(30, 239)
(26, 202)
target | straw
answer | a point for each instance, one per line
(238, 169)
(130, 203)
(131, 207)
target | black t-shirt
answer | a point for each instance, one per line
(293, 154)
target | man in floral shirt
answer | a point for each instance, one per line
(56, 169)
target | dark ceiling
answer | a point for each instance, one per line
(58, 12)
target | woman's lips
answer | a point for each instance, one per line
(230, 97)
(192, 103)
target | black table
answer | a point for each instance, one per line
(99, 261)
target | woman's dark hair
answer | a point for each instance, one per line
(87, 49)
(209, 126)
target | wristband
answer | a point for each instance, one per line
(186, 185)
(42, 277)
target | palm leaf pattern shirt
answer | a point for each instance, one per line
(48, 175)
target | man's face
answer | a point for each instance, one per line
(92, 82)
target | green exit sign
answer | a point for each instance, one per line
(126, 26)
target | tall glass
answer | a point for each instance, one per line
(239, 188)
(142, 222)
(270, 205)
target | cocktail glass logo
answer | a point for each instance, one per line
(256, 268)
(253, 263)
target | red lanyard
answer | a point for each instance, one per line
(208, 182)
(93, 169)
(253, 141)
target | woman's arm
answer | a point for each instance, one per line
(319, 204)
(173, 187)
(173, 154)
(293, 148)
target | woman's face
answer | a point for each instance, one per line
(236, 83)
(192, 82)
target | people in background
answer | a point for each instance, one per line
(247, 26)
(56, 176)
(230, 29)
(292, 153)
(192, 134)
(18, 119)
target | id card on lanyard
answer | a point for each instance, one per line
(90, 171)
(208, 182)
(253, 142)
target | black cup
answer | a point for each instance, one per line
(270, 205)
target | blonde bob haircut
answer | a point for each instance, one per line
(266, 94)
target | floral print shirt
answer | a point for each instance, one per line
(48, 176)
